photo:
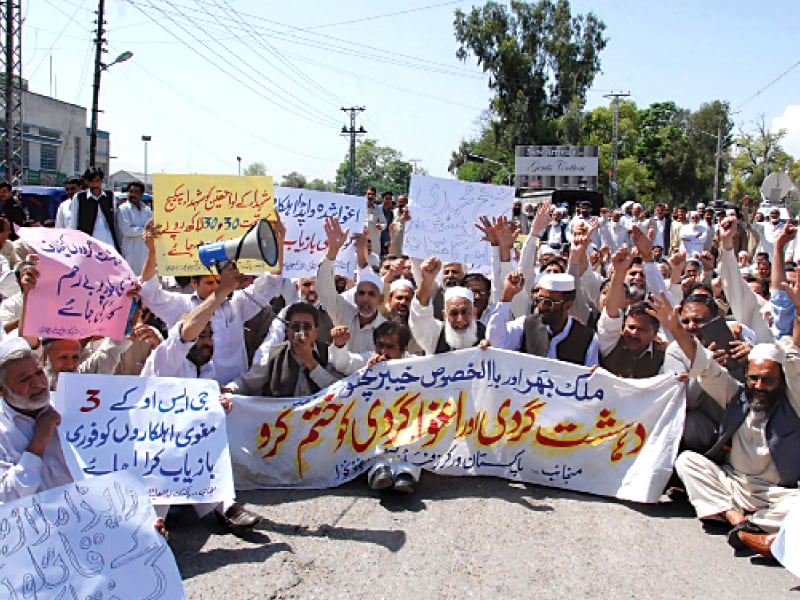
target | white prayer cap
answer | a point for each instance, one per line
(636, 204)
(12, 344)
(744, 253)
(401, 283)
(368, 276)
(626, 205)
(546, 250)
(766, 352)
(557, 282)
(701, 206)
(731, 212)
(458, 291)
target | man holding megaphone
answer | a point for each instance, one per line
(265, 242)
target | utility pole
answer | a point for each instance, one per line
(11, 136)
(99, 42)
(353, 132)
(614, 143)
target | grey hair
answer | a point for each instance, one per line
(11, 357)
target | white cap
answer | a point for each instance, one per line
(401, 283)
(731, 212)
(546, 249)
(743, 253)
(557, 282)
(458, 291)
(368, 276)
(766, 352)
(9, 345)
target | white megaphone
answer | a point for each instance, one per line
(259, 243)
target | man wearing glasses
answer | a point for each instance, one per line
(297, 367)
(549, 331)
(749, 478)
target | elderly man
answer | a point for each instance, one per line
(551, 332)
(31, 460)
(459, 328)
(362, 315)
(749, 477)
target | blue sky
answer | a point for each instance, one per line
(211, 80)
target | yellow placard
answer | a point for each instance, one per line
(198, 209)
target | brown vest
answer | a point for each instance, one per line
(623, 363)
(573, 348)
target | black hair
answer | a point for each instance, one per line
(303, 308)
(388, 328)
(136, 184)
(702, 299)
(477, 277)
(5, 184)
(640, 309)
(93, 172)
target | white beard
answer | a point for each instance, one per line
(25, 403)
(465, 338)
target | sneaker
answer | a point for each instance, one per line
(405, 484)
(381, 478)
(238, 517)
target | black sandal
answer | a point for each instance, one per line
(734, 541)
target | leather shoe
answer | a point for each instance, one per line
(381, 478)
(405, 484)
(760, 542)
(238, 517)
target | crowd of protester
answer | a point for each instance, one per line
(706, 293)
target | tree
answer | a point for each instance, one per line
(321, 186)
(540, 59)
(758, 153)
(256, 168)
(294, 180)
(381, 167)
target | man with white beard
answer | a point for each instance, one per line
(550, 332)
(458, 330)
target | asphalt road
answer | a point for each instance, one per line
(465, 538)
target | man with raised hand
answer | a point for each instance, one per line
(749, 477)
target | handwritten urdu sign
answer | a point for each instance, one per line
(443, 217)
(89, 539)
(303, 212)
(471, 412)
(197, 209)
(81, 287)
(170, 432)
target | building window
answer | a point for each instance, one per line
(77, 154)
(48, 158)
(50, 133)
(26, 154)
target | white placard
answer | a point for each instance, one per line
(560, 166)
(170, 432)
(443, 217)
(89, 539)
(303, 212)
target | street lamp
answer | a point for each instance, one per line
(145, 139)
(99, 67)
(477, 158)
(239, 160)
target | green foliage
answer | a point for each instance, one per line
(540, 58)
(294, 180)
(321, 186)
(758, 152)
(256, 168)
(379, 166)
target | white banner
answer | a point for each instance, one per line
(443, 216)
(90, 539)
(561, 166)
(472, 412)
(169, 432)
(303, 212)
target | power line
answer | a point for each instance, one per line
(385, 15)
(770, 84)
(230, 71)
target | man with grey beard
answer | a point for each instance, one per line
(458, 330)
(749, 477)
(31, 460)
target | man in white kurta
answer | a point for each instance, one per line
(131, 220)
